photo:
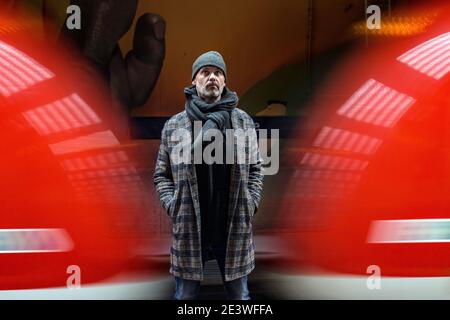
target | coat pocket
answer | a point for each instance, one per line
(173, 201)
(250, 203)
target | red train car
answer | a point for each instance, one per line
(71, 193)
(369, 196)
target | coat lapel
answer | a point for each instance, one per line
(190, 172)
(235, 182)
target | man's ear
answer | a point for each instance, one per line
(193, 82)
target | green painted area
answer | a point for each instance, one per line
(55, 9)
(291, 82)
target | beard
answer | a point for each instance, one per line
(209, 92)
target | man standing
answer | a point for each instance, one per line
(211, 205)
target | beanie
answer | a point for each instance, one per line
(210, 58)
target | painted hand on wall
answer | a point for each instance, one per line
(131, 77)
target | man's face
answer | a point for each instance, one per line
(209, 82)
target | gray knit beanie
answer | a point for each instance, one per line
(210, 58)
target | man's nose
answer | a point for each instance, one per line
(212, 77)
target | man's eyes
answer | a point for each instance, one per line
(217, 73)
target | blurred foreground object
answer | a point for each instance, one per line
(368, 199)
(71, 193)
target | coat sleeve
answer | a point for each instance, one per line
(163, 179)
(255, 177)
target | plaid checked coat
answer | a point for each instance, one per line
(177, 188)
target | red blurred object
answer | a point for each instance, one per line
(68, 187)
(371, 183)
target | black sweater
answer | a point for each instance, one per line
(214, 199)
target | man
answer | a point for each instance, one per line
(211, 205)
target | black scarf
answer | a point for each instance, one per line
(214, 178)
(214, 115)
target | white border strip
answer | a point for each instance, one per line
(409, 231)
(59, 238)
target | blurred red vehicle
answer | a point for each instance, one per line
(370, 187)
(71, 193)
